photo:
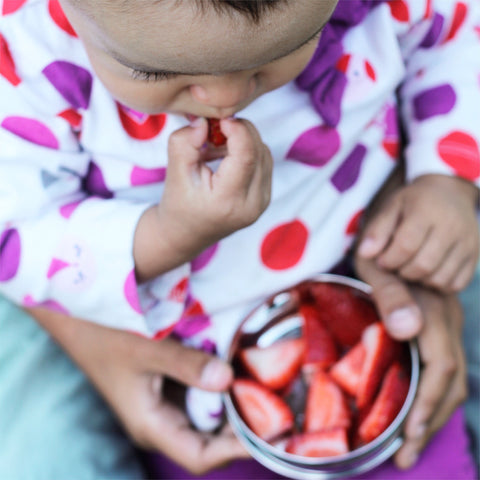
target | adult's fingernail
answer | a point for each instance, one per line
(420, 430)
(368, 247)
(411, 458)
(405, 322)
(216, 375)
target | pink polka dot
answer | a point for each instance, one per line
(460, 151)
(283, 246)
(59, 17)
(29, 301)
(131, 293)
(143, 127)
(193, 321)
(66, 211)
(7, 65)
(144, 176)
(30, 130)
(10, 6)
(204, 258)
(10, 249)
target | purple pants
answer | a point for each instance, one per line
(447, 457)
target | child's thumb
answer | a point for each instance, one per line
(190, 366)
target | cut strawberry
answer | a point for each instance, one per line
(321, 350)
(326, 405)
(380, 351)
(215, 135)
(388, 403)
(349, 313)
(263, 411)
(326, 443)
(347, 371)
(276, 365)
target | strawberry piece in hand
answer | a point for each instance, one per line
(274, 366)
(380, 352)
(215, 135)
(326, 443)
(326, 405)
(263, 411)
(347, 371)
(321, 350)
(348, 313)
(388, 403)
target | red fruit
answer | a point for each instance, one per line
(321, 350)
(380, 351)
(347, 371)
(348, 313)
(388, 403)
(326, 405)
(326, 443)
(215, 135)
(263, 411)
(276, 365)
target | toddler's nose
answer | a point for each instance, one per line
(225, 91)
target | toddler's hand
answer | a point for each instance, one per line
(201, 205)
(427, 232)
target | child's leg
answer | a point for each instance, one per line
(470, 299)
(52, 424)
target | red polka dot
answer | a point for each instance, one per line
(283, 246)
(354, 223)
(7, 65)
(458, 18)
(160, 334)
(370, 70)
(460, 151)
(399, 10)
(10, 6)
(179, 292)
(72, 117)
(141, 127)
(59, 17)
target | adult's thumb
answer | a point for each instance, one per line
(190, 366)
(396, 305)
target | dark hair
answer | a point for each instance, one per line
(254, 9)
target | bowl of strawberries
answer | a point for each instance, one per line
(320, 390)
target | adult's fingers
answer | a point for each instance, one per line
(187, 365)
(396, 305)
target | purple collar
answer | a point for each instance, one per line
(321, 78)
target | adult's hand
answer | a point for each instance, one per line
(129, 371)
(436, 320)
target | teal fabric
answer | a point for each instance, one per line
(52, 424)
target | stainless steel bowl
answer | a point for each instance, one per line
(276, 319)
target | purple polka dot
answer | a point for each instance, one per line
(434, 101)
(9, 254)
(204, 258)
(191, 325)
(73, 82)
(29, 301)
(432, 36)
(348, 172)
(131, 293)
(144, 176)
(94, 183)
(31, 130)
(316, 146)
(66, 211)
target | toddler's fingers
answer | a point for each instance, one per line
(379, 230)
(400, 313)
(187, 365)
(465, 274)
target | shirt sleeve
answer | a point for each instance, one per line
(61, 246)
(440, 97)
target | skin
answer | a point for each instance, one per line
(217, 79)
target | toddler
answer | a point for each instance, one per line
(114, 209)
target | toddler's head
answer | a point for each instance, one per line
(206, 58)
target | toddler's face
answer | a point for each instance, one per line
(170, 56)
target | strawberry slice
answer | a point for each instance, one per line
(380, 352)
(276, 365)
(215, 135)
(263, 411)
(349, 313)
(388, 403)
(326, 405)
(347, 371)
(325, 443)
(321, 350)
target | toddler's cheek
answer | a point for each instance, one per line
(205, 409)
